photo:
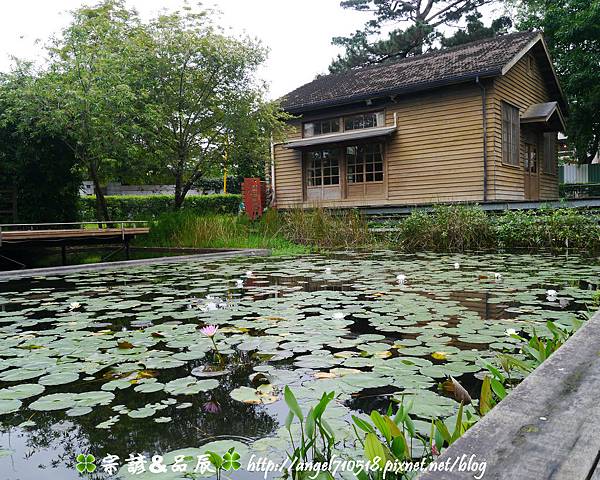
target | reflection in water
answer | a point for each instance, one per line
(56, 439)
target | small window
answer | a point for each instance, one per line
(364, 163)
(323, 168)
(364, 120)
(322, 127)
(550, 153)
(510, 134)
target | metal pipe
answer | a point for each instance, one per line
(484, 122)
(273, 195)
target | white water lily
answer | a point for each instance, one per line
(74, 305)
(551, 295)
(338, 315)
(498, 276)
(401, 278)
(327, 270)
(249, 273)
(511, 331)
(456, 265)
(239, 283)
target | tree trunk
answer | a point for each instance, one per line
(101, 207)
(179, 194)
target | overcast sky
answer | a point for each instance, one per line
(297, 32)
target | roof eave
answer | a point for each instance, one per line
(418, 87)
(539, 38)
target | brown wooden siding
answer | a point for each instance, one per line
(436, 154)
(522, 88)
(288, 171)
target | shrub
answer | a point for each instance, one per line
(150, 207)
(453, 228)
(554, 230)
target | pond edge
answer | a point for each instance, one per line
(34, 272)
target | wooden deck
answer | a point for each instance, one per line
(18, 238)
(547, 427)
(69, 234)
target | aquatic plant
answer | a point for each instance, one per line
(210, 331)
(317, 438)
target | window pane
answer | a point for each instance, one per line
(335, 125)
(366, 165)
(510, 134)
(364, 120)
(309, 129)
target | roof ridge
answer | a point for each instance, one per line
(427, 54)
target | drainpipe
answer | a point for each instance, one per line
(273, 201)
(484, 123)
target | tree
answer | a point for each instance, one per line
(87, 88)
(197, 94)
(476, 30)
(572, 31)
(423, 19)
(35, 162)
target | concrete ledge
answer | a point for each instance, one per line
(547, 427)
(33, 272)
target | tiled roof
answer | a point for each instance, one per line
(440, 67)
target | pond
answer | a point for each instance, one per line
(113, 362)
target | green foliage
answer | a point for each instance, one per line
(149, 207)
(459, 228)
(388, 440)
(327, 229)
(572, 31)
(34, 162)
(316, 440)
(476, 30)
(187, 229)
(554, 230)
(415, 26)
(537, 349)
(453, 228)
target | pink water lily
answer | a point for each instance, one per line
(210, 330)
(212, 407)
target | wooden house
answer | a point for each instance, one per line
(473, 123)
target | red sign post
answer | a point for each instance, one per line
(254, 193)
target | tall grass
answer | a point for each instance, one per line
(455, 228)
(185, 229)
(327, 228)
(295, 231)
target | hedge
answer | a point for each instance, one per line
(149, 207)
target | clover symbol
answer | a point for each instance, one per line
(230, 459)
(85, 463)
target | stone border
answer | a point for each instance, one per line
(33, 272)
(547, 427)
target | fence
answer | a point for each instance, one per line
(578, 174)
